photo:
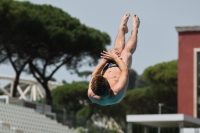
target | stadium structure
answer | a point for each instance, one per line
(28, 89)
(22, 114)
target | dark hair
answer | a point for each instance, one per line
(100, 86)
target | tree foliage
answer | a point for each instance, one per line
(140, 82)
(162, 88)
(140, 101)
(162, 78)
(132, 79)
(162, 75)
(73, 97)
(66, 41)
(13, 38)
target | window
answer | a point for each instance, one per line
(198, 84)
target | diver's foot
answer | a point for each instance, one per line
(136, 21)
(124, 21)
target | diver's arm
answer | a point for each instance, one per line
(99, 68)
(123, 79)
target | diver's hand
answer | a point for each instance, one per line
(109, 55)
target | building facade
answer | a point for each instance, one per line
(189, 70)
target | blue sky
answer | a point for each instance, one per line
(157, 37)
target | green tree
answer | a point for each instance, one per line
(66, 42)
(73, 97)
(140, 101)
(162, 88)
(13, 37)
(162, 78)
(140, 82)
(47, 38)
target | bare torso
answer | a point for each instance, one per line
(113, 74)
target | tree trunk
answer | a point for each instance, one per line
(16, 82)
(49, 98)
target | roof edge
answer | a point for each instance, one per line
(187, 28)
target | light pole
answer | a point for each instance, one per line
(160, 108)
(159, 112)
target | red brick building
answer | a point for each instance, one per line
(189, 70)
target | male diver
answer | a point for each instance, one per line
(109, 80)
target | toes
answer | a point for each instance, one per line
(128, 14)
(136, 17)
